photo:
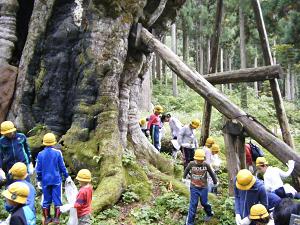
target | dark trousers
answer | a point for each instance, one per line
(197, 193)
(188, 155)
(282, 194)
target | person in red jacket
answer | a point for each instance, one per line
(249, 161)
(154, 125)
(83, 202)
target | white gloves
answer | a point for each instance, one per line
(69, 180)
(291, 164)
(65, 208)
(2, 175)
(39, 185)
(238, 219)
(30, 169)
(245, 221)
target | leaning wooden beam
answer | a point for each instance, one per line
(280, 111)
(246, 75)
(276, 146)
(212, 69)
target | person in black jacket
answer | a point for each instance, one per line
(16, 196)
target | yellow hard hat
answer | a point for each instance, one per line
(199, 154)
(17, 192)
(49, 139)
(209, 141)
(84, 175)
(18, 171)
(261, 161)
(215, 148)
(142, 121)
(195, 123)
(258, 211)
(158, 108)
(7, 127)
(244, 180)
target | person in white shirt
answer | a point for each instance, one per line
(187, 140)
(273, 175)
(208, 144)
(215, 163)
(175, 127)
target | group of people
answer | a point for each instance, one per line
(16, 168)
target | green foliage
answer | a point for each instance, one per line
(163, 210)
(129, 196)
(111, 213)
(128, 158)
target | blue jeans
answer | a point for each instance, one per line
(155, 136)
(188, 155)
(197, 193)
(52, 193)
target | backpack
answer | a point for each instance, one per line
(255, 151)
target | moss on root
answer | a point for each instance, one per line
(137, 180)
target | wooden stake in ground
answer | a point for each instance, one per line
(212, 69)
(280, 111)
(257, 131)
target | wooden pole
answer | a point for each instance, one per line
(212, 69)
(232, 159)
(280, 111)
(246, 75)
(258, 132)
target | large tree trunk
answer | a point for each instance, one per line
(80, 76)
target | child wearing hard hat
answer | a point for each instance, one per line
(18, 173)
(154, 125)
(208, 144)
(187, 140)
(215, 163)
(16, 197)
(248, 191)
(143, 126)
(272, 178)
(50, 165)
(259, 216)
(84, 198)
(199, 170)
(13, 148)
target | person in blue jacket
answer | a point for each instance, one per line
(50, 165)
(248, 191)
(16, 197)
(18, 173)
(13, 148)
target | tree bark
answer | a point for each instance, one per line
(288, 83)
(256, 130)
(243, 55)
(8, 23)
(82, 81)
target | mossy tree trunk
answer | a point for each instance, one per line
(80, 77)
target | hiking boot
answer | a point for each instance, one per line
(47, 216)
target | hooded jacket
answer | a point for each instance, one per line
(13, 150)
(245, 199)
